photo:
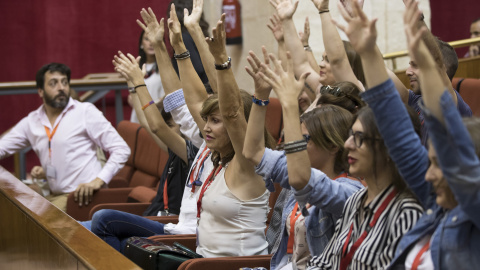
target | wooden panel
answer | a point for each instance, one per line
(34, 234)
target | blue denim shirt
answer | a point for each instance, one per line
(455, 233)
(326, 197)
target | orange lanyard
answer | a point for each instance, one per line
(418, 258)
(293, 219)
(50, 136)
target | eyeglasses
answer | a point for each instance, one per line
(332, 90)
(358, 137)
(306, 137)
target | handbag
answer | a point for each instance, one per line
(152, 255)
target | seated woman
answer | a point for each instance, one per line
(448, 235)
(325, 130)
(373, 219)
(232, 203)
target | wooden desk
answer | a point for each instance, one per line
(34, 234)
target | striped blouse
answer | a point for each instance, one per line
(378, 248)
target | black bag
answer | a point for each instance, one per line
(152, 255)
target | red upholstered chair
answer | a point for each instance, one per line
(129, 132)
(469, 89)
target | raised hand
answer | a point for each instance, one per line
(285, 8)
(305, 35)
(411, 16)
(154, 31)
(175, 28)
(276, 27)
(348, 4)
(194, 17)
(283, 82)
(216, 44)
(261, 86)
(322, 4)
(128, 67)
(361, 31)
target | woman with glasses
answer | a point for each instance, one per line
(302, 230)
(374, 220)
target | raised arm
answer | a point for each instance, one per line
(391, 116)
(229, 99)
(285, 10)
(191, 22)
(341, 69)
(128, 67)
(304, 37)
(287, 89)
(254, 147)
(193, 88)
(154, 31)
(277, 30)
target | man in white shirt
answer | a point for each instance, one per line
(65, 133)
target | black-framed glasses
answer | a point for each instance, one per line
(332, 90)
(306, 137)
(358, 137)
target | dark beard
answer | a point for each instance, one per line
(56, 102)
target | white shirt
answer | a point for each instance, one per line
(187, 220)
(81, 128)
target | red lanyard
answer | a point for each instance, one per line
(50, 136)
(418, 258)
(293, 219)
(208, 182)
(165, 192)
(199, 172)
(347, 257)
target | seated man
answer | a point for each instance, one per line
(64, 134)
(474, 49)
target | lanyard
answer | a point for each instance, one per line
(208, 182)
(347, 257)
(195, 180)
(418, 258)
(50, 136)
(293, 219)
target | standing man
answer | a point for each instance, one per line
(65, 133)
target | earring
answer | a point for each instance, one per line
(141, 47)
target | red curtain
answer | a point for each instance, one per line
(82, 34)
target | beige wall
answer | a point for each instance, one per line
(256, 13)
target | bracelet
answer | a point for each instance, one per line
(184, 55)
(132, 90)
(148, 104)
(225, 65)
(140, 85)
(260, 102)
(307, 48)
(295, 146)
(323, 11)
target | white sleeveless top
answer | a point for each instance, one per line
(229, 226)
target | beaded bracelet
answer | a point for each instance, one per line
(295, 146)
(323, 11)
(260, 102)
(184, 55)
(148, 104)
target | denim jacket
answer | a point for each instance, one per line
(326, 197)
(455, 242)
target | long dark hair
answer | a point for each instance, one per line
(142, 54)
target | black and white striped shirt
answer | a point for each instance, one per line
(378, 248)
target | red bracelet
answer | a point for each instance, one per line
(148, 104)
